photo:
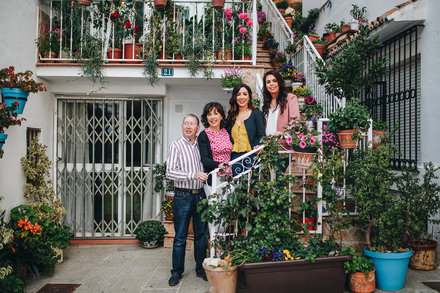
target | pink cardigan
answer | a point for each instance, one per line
(291, 109)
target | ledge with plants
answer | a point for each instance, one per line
(231, 78)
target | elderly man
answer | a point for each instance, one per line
(184, 166)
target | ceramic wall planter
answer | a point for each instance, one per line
(326, 274)
(3, 137)
(12, 95)
(390, 268)
(423, 257)
(303, 160)
(346, 140)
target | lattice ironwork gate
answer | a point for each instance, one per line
(106, 149)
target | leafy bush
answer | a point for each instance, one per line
(380, 125)
(359, 264)
(352, 116)
(150, 231)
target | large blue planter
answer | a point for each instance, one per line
(3, 137)
(12, 95)
(390, 268)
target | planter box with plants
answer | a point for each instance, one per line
(273, 258)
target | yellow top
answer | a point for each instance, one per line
(241, 139)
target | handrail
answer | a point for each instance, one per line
(279, 28)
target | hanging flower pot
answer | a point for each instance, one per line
(218, 4)
(346, 139)
(12, 95)
(3, 137)
(303, 160)
(160, 3)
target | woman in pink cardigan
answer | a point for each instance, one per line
(279, 107)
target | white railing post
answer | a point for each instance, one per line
(254, 32)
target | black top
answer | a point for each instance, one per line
(206, 155)
(254, 127)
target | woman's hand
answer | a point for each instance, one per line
(223, 166)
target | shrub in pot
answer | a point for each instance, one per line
(150, 232)
(348, 121)
(380, 215)
(265, 241)
(361, 274)
(420, 201)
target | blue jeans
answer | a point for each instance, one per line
(185, 207)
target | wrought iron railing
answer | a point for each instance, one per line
(185, 29)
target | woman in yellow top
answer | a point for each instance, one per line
(245, 125)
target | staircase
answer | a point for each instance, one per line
(263, 57)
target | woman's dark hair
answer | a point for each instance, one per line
(233, 106)
(267, 97)
(208, 108)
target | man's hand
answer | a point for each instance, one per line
(200, 176)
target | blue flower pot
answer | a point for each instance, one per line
(3, 137)
(12, 95)
(390, 268)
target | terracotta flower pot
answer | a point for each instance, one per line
(313, 37)
(114, 53)
(132, 53)
(303, 160)
(218, 4)
(289, 20)
(346, 140)
(160, 3)
(85, 2)
(359, 283)
(345, 27)
(320, 48)
(377, 137)
(220, 280)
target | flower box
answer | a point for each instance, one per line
(297, 275)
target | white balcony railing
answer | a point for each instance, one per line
(188, 28)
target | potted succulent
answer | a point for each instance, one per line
(265, 244)
(16, 86)
(230, 78)
(348, 121)
(150, 233)
(361, 274)
(358, 15)
(420, 202)
(380, 215)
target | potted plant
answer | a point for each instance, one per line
(263, 33)
(150, 233)
(348, 121)
(265, 243)
(16, 86)
(312, 109)
(288, 16)
(288, 71)
(282, 6)
(230, 78)
(379, 131)
(48, 43)
(301, 92)
(304, 143)
(420, 202)
(277, 58)
(361, 274)
(330, 29)
(320, 46)
(222, 274)
(358, 13)
(380, 215)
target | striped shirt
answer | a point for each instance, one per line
(183, 161)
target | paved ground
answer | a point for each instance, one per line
(131, 268)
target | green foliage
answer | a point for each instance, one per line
(358, 13)
(380, 125)
(346, 75)
(359, 264)
(39, 188)
(380, 216)
(331, 27)
(420, 200)
(12, 283)
(92, 59)
(352, 116)
(150, 68)
(160, 181)
(150, 231)
(304, 25)
(282, 4)
(8, 117)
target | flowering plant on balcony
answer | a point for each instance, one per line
(303, 142)
(278, 56)
(312, 109)
(261, 16)
(242, 46)
(49, 41)
(232, 77)
(299, 77)
(21, 80)
(302, 91)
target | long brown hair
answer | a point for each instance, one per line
(233, 106)
(267, 97)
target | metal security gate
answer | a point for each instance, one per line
(106, 149)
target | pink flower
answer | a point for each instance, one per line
(302, 144)
(249, 23)
(289, 140)
(241, 16)
(312, 141)
(246, 17)
(243, 30)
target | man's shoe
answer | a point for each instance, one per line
(202, 275)
(174, 280)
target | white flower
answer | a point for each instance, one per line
(212, 261)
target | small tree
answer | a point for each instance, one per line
(346, 75)
(39, 188)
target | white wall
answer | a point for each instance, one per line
(17, 48)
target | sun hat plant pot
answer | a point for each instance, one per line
(150, 233)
